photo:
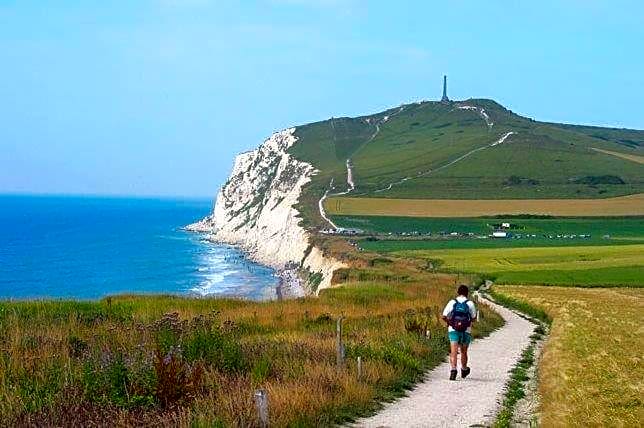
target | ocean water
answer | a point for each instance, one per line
(88, 247)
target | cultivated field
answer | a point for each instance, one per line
(591, 372)
(632, 205)
(584, 266)
(169, 361)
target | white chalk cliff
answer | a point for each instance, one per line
(255, 210)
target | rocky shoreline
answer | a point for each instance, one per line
(289, 286)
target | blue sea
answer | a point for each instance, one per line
(90, 247)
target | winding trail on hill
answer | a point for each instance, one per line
(501, 140)
(474, 401)
(350, 182)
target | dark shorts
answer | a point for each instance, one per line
(460, 337)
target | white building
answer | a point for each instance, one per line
(499, 234)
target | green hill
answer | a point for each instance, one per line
(447, 150)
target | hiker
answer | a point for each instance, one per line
(459, 313)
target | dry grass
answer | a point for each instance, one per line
(159, 360)
(591, 371)
(631, 205)
(627, 156)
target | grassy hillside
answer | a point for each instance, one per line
(445, 151)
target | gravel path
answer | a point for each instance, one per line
(439, 402)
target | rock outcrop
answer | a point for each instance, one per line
(255, 210)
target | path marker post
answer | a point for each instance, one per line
(359, 368)
(261, 403)
(339, 346)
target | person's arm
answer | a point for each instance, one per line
(446, 311)
(474, 313)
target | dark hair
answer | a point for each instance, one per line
(463, 290)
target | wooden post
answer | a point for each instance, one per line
(261, 403)
(339, 346)
(359, 368)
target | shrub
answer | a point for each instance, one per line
(176, 381)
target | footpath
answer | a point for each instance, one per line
(473, 401)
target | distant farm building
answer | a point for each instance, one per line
(499, 234)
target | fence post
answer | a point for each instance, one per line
(339, 346)
(359, 368)
(261, 403)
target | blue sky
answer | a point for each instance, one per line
(155, 97)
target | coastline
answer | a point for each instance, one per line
(255, 212)
(289, 284)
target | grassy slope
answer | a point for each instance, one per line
(428, 135)
(591, 371)
(550, 154)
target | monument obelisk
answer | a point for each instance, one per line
(444, 99)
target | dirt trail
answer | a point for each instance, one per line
(350, 183)
(474, 401)
(458, 159)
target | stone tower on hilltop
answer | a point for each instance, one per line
(444, 99)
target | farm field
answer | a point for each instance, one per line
(579, 265)
(631, 205)
(591, 372)
(596, 231)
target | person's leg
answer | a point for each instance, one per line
(453, 354)
(465, 343)
(463, 356)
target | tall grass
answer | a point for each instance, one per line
(166, 360)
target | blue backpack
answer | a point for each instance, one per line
(460, 318)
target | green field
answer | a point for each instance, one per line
(622, 231)
(579, 265)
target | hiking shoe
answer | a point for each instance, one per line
(465, 372)
(452, 374)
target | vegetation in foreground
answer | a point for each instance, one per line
(591, 370)
(154, 360)
(582, 266)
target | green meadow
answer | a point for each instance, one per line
(601, 231)
(574, 266)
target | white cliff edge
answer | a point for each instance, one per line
(255, 210)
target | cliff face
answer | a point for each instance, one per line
(255, 211)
